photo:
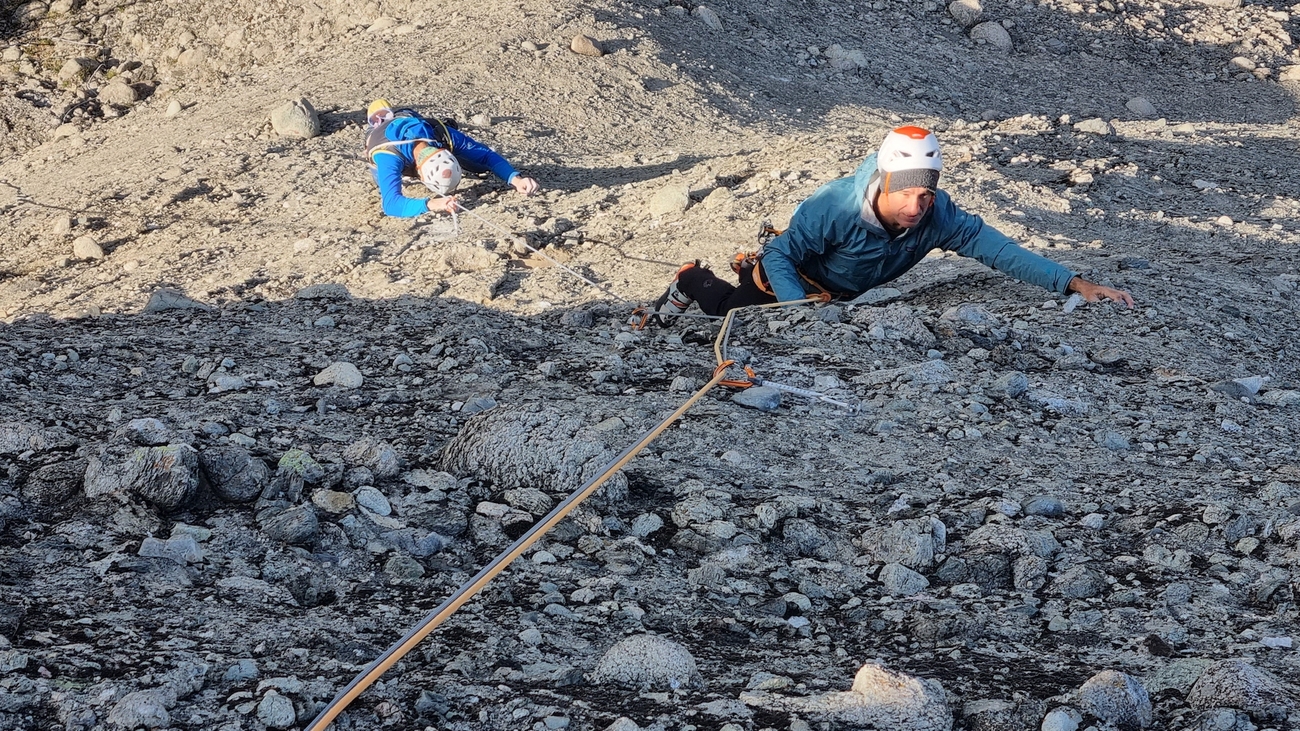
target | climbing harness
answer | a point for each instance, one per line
(378, 143)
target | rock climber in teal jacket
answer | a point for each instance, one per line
(436, 152)
(856, 233)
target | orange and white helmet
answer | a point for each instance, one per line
(909, 158)
(439, 170)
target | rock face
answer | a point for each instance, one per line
(648, 662)
(168, 477)
(296, 118)
(234, 474)
(548, 450)
(1116, 698)
(1237, 684)
(1118, 487)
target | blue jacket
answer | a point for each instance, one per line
(838, 242)
(473, 156)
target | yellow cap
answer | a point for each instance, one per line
(376, 106)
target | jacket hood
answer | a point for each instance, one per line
(865, 182)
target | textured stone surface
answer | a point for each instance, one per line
(234, 474)
(54, 483)
(168, 477)
(547, 450)
(1238, 684)
(648, 661)
(296, 118)
(1116, 698)
(883, 698)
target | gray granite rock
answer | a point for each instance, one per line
(649, 662)
(296, 118)
(1116, 698)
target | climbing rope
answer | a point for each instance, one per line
(751, 378)
(469, 589)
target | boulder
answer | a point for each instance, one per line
(648, 662)
(341, 374)
(912, 543)
(234, 474)
(296, 118)
(966, 12)
(119, 93)
(54, 483)
(669, 200)
(883, 699)
(586, 46)
(86, 248)
(1116, 698)
(551, 450)
(1238, 684)
(993, 34)
(168, 477)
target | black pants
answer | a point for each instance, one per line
(716, 296)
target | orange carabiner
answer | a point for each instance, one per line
(639, 324)
(734, 384)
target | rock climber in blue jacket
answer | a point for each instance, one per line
(860, 232)
(401, 143)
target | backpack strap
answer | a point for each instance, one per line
(441, 128)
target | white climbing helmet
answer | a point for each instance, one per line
(439, 170)
(909, 158)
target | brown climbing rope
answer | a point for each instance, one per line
(469, 589)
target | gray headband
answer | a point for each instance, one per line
(912, 178)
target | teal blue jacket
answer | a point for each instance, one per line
(838, 242)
